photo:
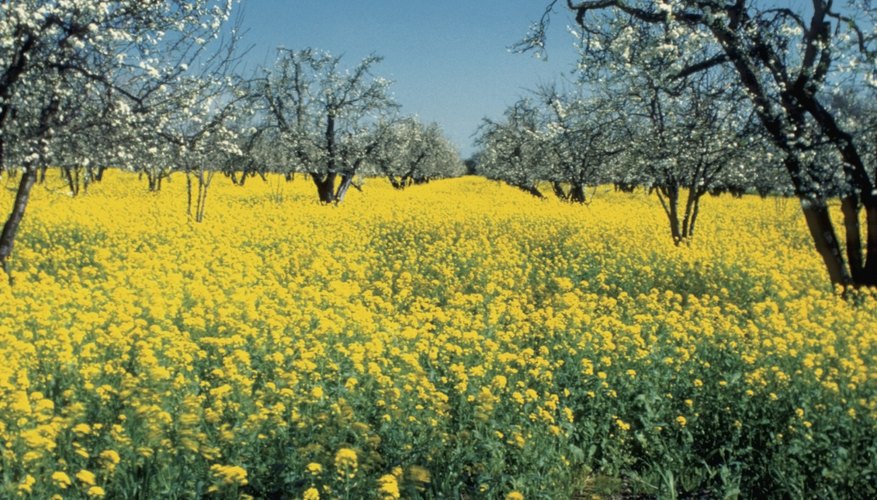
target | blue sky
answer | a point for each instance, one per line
(449, 59)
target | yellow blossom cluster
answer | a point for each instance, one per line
(453, 339)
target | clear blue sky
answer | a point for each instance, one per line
(449, 59)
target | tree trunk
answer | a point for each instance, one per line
(343, 188)
(188, 194)
(669, 198)
(204, 179)
(395, 183)
(72, 176)
(533, 190)
(558, 191)
(199, 195)
(674, 220)
(28, 179)
(154, 179)
(325, 187)
(692, 206)
(870, 205)
(850, 208)
(625, 187)
(869, 274)
(10, 229)
(822, 231)
(694, 212)
(577, 193)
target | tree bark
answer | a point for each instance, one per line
(674, 220)
(154, 180)
(692, 205)
(343, 188)
(10, 229)
(204, 179)
(394, 182)
(625, 187)
(558, 191)
(669, 198)
(188, 194)
(533, 190)
(824, 237)
(869, 274)
(577, 193)
(850, 208)
(695, 209)
(72, 176)
(325, 187)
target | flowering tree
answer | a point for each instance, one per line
(58, 56)
(329, 120)
(415, 153)
(199, 131)
(566, 138)
(685, 138)
(581, 135)
(783, 58)
(75, 144)
(512, 150)
(254, 142)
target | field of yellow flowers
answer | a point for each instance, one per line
(457, 340)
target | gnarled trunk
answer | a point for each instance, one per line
(325, 187)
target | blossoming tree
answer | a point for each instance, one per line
(786, 59)
(328, 119)
(59, 57)
(415, 153)
(511, 149)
